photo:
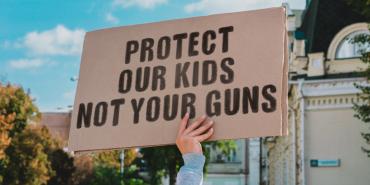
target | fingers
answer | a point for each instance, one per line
(205, 136)
(200, 130)
(196, 124)
(183, 123)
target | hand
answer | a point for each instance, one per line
(189, 138)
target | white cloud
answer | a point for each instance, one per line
(111, 18)
(57, 41)
(223, 6)
(28, 63)
(146, 4)
(69, 95)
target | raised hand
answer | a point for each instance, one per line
(189, 137)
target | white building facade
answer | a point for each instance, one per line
(324, 142)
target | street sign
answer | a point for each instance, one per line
(325, 163)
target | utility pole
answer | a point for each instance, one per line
(122, 158)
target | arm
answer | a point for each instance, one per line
(192, 171)
(188, 141)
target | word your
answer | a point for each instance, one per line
(230, 102)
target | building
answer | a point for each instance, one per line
(58, 124)
(241, 167)
(324, 142)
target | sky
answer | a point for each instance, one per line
(41, 40)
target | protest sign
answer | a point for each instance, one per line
(136, 82)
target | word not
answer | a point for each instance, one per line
(97, 115)
(230, 102)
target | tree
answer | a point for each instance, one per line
(14, 100)
(104, 168)
(363, 109)
(16, 108)
(62, 165)
(5, 127)
(107, 164)
(34, 158)
(28, 162)
(162, 161)
(84, 170)
(28, 152)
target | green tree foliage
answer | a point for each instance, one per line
(14, 100)
(62, 165)
(363, 109)
(28, 162)
(30, 155)
(104, 168)
(84, 170)
(112, 158)
(107, 175)
(5, 127)
(16, 108)
(107, 164)
(162, 161)
(35, 158)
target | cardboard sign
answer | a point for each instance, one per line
(136, 82)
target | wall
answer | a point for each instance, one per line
(335, 134)
(58, 124)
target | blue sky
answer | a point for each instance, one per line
(41, 40)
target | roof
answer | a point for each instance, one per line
(323, 19)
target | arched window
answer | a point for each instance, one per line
(342, 47)
(348, 49)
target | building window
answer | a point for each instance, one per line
(348, 49)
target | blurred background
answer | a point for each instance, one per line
(329, 97)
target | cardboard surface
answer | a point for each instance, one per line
(136, 82)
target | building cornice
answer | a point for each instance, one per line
(330, 87)
(331, 94)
